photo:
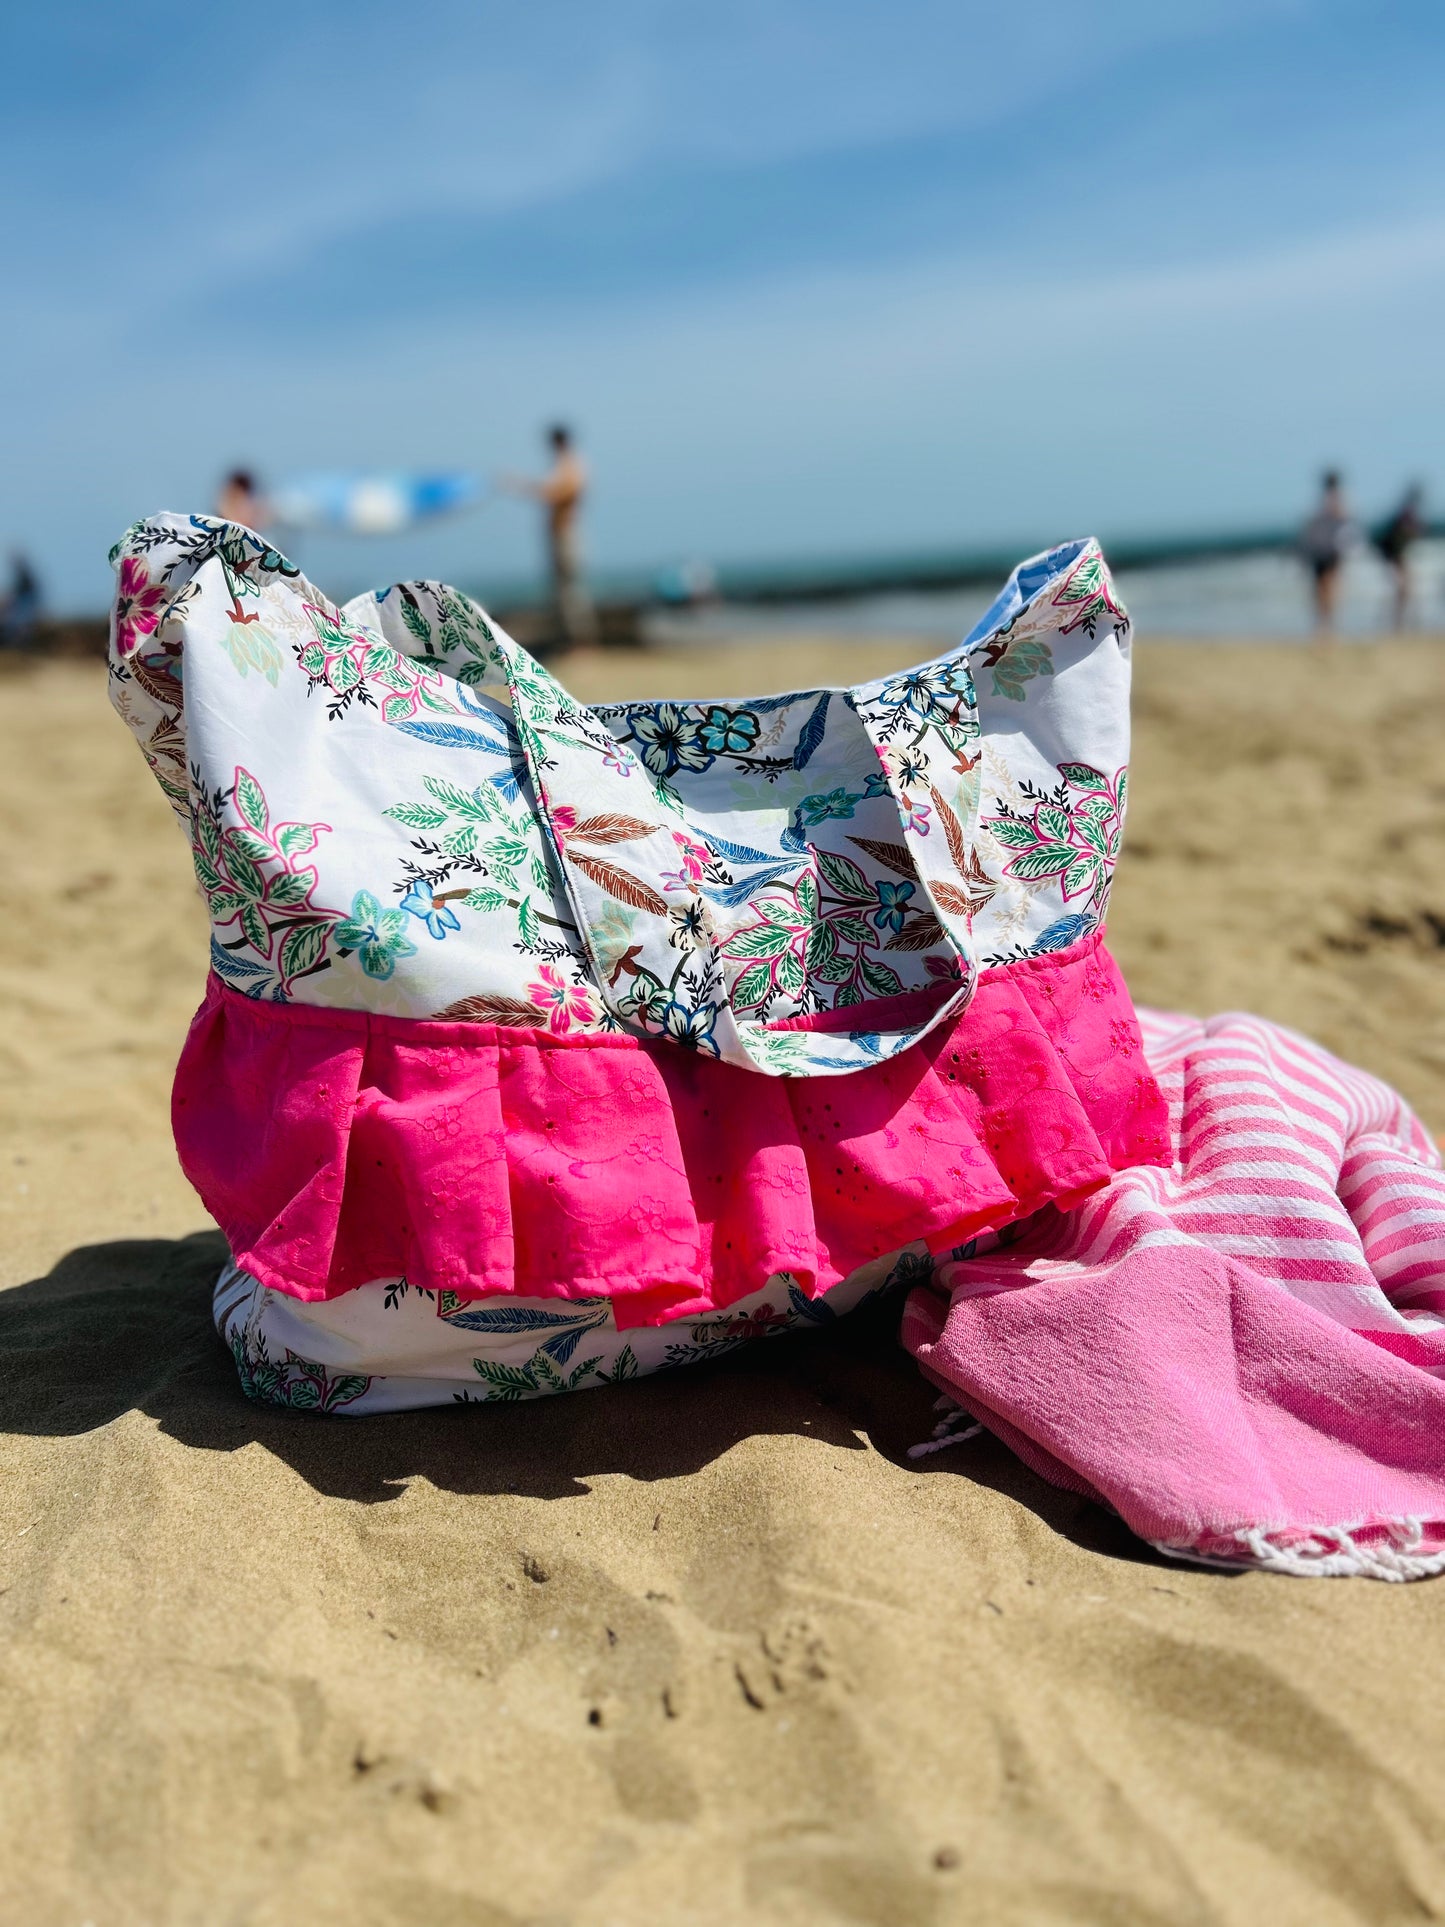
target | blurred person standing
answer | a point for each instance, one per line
(1394, 539)
(21, 605)
(561, 492)
(240, 500)
(1324, 542)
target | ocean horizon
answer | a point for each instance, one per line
(1264, 595)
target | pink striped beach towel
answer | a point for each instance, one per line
(1244, 1355)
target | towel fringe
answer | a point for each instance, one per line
(944, 1433)
(1321, 1552)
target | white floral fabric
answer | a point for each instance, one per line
(389, 1347)
(392, 807)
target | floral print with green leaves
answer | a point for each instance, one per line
(1073, 833)
(1081, 601)
(345, 666)
(298, 1384)
(1066, 837)
(268, 928)
(476, 853)
(502, 1350)
(392, 806)
(828, 929)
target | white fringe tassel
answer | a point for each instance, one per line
(1313, 1552)
(945, 1432)
(1327, 1552)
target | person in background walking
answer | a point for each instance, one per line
(20, 606)
(561, 492)
(1324, 541)
(1394, 538)
(240, 500)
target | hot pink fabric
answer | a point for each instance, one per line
(1244, 1355)
(336, 1147)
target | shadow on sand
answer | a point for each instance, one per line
(126, 1326)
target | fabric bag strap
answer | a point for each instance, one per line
(630, 858)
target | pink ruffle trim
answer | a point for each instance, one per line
(336, 1147)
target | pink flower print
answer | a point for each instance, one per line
(137, 606)
(944, 969)
(788, 1179)
(566, 1004)
(564, 819)
(614, 759)
(695, 859)
(648, 1214)
(694, 856)
(1121, 1037)
(915, 816)
(758, 1324)
(442, 1193)
(442, 1123)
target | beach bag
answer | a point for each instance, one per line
(665, 1010)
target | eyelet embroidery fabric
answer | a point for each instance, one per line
(335, 1148)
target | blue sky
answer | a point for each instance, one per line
(813, 277)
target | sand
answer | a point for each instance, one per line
(706, 1648)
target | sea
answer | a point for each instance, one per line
(1261, 596)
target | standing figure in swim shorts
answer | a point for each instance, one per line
(561, 491)
(1324, 542)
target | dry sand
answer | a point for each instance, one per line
(707, 1648)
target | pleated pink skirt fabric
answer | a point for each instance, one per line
(337, 1147)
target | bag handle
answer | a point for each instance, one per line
(631, 860)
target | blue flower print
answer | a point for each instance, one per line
(691, 1025)
(728, 731)
(420, 901)
(892, 905)
(929, 694)
(669, 741)
(818, 809)
(377, 936)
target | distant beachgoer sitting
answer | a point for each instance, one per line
(240, 500)
(1324, 543)
(561, 491)
(1394, 539)
(20, 607)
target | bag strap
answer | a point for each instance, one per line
(631, 858)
